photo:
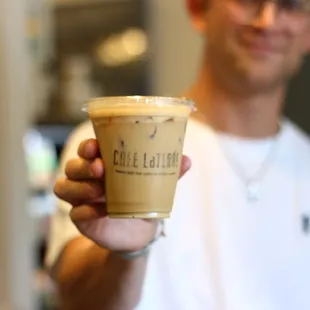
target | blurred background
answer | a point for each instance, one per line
(55, 54)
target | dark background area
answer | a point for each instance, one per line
(298, 99)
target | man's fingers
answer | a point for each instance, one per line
(81, 169)
(85, 213)
(185, 165)
(74, 192)
(89, 149)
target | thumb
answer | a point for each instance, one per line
(185, 165)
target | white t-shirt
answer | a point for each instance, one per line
(221, 251)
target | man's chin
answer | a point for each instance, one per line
(261, 83)
(263, 77)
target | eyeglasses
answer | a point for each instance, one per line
(293, 5)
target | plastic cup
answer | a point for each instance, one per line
(141, 142)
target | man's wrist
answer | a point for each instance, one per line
(145, 250)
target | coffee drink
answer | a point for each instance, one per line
(141, 142)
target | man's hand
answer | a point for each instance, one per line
(83, 188)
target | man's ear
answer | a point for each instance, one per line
(197, 10)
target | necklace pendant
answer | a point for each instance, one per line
(252, 190)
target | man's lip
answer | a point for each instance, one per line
(261, 44)
(261, 47)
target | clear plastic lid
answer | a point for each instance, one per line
(139, 105)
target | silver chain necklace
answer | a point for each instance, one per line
(252, 183)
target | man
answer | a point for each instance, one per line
(239, 235)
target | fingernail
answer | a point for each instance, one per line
(89, 149)
(97, 169)
(88, 152)
(95, 192)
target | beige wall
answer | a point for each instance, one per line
(15, 226)
(175, 47)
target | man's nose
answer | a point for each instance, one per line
(266, 15)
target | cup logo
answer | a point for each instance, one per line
(145, 163)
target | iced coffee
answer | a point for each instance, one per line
(141, 142)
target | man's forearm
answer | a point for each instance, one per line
(90, 277)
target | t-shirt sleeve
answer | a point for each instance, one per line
(62, 230)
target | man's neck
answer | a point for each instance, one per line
(247, 116)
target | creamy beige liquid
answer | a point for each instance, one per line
(142, 155)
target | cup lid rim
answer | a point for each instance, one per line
(125, 100)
